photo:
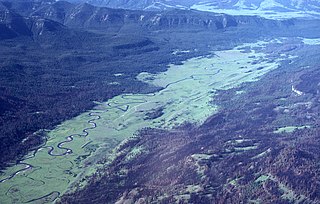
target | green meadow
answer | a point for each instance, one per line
(186, 96)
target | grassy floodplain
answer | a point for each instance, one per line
(75, 148)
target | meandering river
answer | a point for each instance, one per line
(78, 147)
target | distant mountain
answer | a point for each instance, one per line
(297, 8)
(42, 19)
(274, 9)
(86, 16)
(277, 9)
(13, 24)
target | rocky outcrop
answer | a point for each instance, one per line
(88, 16)
(14, 25)
(52, 16)
(284, 5)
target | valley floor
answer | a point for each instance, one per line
(79, 148)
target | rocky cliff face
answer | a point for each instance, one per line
(13, 24)
(304, 8)
(89, 16)
(305, 5)
(40, 19)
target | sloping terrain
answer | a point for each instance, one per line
(237, 4)
(112, 20)
(267, 8)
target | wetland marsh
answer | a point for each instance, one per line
(78, 147)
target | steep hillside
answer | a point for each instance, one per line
(88, 16)
(296, 8)
(12, 24)
(102, 18)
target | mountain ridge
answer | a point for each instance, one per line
(302, 7)
(88, 16)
